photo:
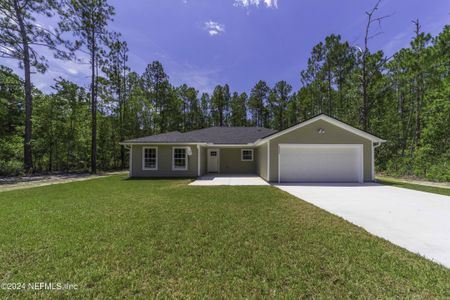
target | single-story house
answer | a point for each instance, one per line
(321, 149)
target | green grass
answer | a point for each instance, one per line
(412, 186)
(119, 238)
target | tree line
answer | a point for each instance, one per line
(404, 99)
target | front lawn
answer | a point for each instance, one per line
(119, 238)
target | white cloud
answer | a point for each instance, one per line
(247, 3)
(213, 28)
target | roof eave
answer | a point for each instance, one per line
(161, 143)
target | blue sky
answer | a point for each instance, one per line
(208, 42)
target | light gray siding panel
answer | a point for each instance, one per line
(261, 163)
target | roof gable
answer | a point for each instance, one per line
(328, 119)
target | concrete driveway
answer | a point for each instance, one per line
(417, 221)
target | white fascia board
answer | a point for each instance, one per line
(251, 145)
(162, 144)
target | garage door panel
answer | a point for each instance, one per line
(320, 163)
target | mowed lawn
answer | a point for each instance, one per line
(119, 238)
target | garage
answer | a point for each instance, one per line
(321, 163)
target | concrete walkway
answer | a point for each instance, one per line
(214, 179)
(417, 221)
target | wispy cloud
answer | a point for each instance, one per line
(257, 3)
(202, 78)
(214, 28)
(76, 71)
(400, 40)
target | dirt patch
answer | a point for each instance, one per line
(24, 182)
(413, 180)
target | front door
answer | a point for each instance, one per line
(213, 160)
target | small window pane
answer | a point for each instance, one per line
(213, 153)
(179, 158)
(247, 155)
(150, 159)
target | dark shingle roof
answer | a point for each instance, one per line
(215, 135)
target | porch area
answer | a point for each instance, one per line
(228, 179)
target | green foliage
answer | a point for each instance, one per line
(403, 99)
(258, 102)
(238, 109)
(11, 122)
(11, 153)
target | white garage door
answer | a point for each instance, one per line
(320, 163)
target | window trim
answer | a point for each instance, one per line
(185, 157)
(143, 159)
(242, 154)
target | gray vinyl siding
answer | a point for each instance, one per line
(231, 163)
(261, 163)
(164, 162)
(203, 157)
(309, 135)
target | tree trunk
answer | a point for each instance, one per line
(93, 112)
(364, 112)
(27, 153)
(121, 135)
(419, 87)
(330, 105)
(418, 115)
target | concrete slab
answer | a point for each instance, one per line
(212, 180)
(417, 221)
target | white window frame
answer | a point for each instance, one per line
(242, 154)
(185, 157)
(143, 159)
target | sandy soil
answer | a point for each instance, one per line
(24, 182)
(445, 185)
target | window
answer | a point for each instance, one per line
(213, 153)
(150, 158)
(179, 159)
(247, 154)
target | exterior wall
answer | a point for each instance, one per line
(203, 157)
(309, 135)
(261, 161)
(164, 162)
(230, 161)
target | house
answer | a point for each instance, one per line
(321, 149)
